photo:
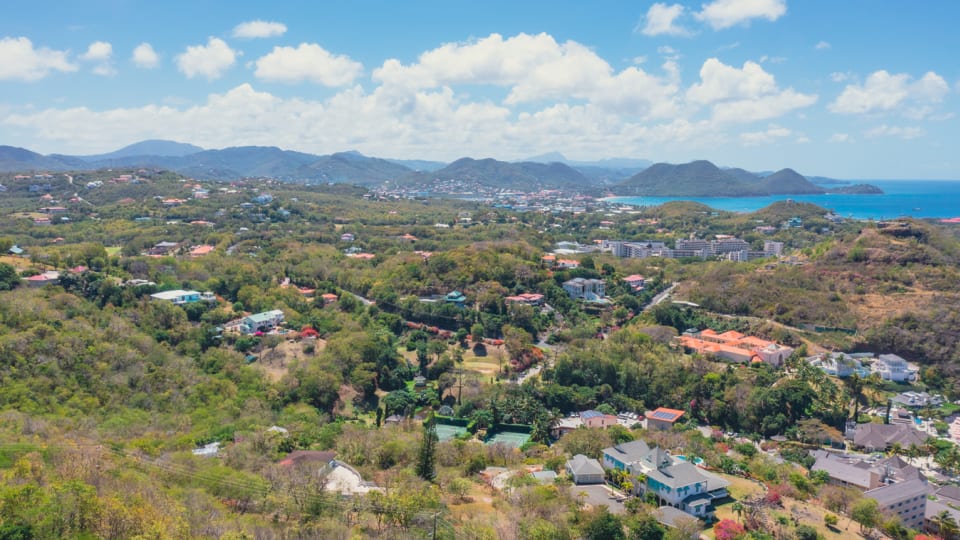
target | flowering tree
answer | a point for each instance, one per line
(728, 529)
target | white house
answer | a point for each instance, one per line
(587, 289)
(677, 483)
(261, 322)
(891, 367)
(178, 297)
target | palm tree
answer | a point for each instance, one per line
(855, 385)
(946, 525)
(738, 509)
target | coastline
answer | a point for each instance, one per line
(925, 199)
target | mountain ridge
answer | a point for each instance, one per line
(701, 178)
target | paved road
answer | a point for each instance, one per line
(660, 297)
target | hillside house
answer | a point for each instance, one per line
(163, 248)
(663, 418)
(597, 419)
(838, 364)
(178, 296)
(456, 298)
(677, 483)
(635, 281)
(261, 322)
(591, 290)
(530, 299)
(584, 470)
(50, 277)
(891, 367)
(879, 437)
(200, 251)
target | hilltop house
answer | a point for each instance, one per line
(677, 483)
(261, 322)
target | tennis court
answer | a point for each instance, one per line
(509, 438)
(446, 432)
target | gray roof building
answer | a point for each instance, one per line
(878, 437)
(585, 470)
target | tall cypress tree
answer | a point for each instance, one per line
(427, 458)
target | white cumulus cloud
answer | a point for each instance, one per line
(661, 20)
(308, 62)
(743, 95)
(100, 52)
(259, 29)
(719, 82)
(895, 131)
(840, 138)
(19, 60)
(771, 134)
(145, 57)
(885, 92)
(547, 95)
(721, 14)
(536, 68)
(822, 45)
(209, 60)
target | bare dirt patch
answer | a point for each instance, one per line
(276, 362)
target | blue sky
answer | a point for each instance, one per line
(851, 89)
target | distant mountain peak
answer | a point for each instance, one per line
(549, 157)
(150, 147)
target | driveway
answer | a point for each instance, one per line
(597, 494)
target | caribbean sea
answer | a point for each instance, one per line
(901, 198)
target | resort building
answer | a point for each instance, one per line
(898, 487)
(735, 347)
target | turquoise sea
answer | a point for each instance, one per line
(901, 198)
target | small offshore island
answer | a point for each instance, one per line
(856, 189)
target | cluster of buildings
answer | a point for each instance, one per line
(898, 487)
(735, 347)
(889, 367)
(725, 246)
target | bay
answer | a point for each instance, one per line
(901, 198)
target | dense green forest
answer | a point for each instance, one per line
(106, 392)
